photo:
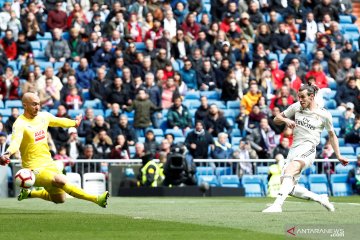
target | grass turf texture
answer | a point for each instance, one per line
(166, 218)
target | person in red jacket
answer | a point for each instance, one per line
(9, 85)
(318, 74)
(190, 27)
(277, 100)
(134, 29)
(277, 74)
(295, 80)
(155, 33)
(9, 45)
(57, 18)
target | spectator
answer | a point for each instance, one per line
(353, 177)
(143, 109)
(3, 60)
(345, 72)
(155, 33)
(246, 28)
(23, 47)
(103, 57)
(308, 28)
(76, 45)
(98, 87)
(49, 74)
(198, 142)
(12, 118)
(57, 18)
(9, 85)
(282, 148)
(102, 144)
(353, 136)
(117, 69)
(245, 152)
(282, 42)
(134, 29)
(180, 45)
(262, 139)
(65, 71)
(251, 97)
(241, 119)
(73, 100)
(84, 75)
(123, 127)
(347, 93)
(170, 23)
(178, 116)
(119, 24)
(348, 52)
(256, 16)
(30, 84)
(49, 96)
(74, 146)
(188, 75)
(120, 149)
(230, 88)
(202, 44)
(95, 25)
(203, 110)
(334, 63)
(263, 36)
(291, 27)
(346, 120)
(222, 72)
(98, 124)
(9, 45)
(169, 92)
(222, 149)
(67, 88)
(206, 79)
(139, 8)
(139, 151)
(215, 122)
(116, 93)
(318, 74)
(336, 35)
(297, 10)
(151, 146)
(57, 49)
(92, 46)
(114, 117)
(273, 21)
(190, 27)
(87, 154)
(161, 61)
(278, 99)
(255, 116)
(86, 123)
(326, 7)
(324, 24)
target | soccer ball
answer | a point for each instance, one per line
(25, 178)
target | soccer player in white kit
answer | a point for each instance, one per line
(308, 121)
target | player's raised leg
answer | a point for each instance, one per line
(303, 193)
(60, 181)
(287, 185)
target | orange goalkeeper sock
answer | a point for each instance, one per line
(78, 193)
(43, 194)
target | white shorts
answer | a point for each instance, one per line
(305, 152)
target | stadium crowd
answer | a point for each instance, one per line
(148, 74)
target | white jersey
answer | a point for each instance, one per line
(309, 124)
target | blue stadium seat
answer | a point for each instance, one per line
(66, 35)
(273, 56)
(47, 36)
(132, 150)
(44, 65)
(35, 45)
(229, 113)
(210, 179)
(330, 104)
(58, 65)
(309, 170)
(233, 105)
(347, 150)
(204, 171)
(175, 66)
(219, 171)
(179, 140)
(2, 104)
(235, 140)
(207, 7)
(39, 55)
(236, 132)
(53, 111)
(192, 96)
(303, 181)
(253, 190)
(159, 139)
(347, 28)
(192, 112)
(341, 142)
(14, 65)
(43, 44)
(340, 169)
(335, 112)
(214, 95)
(86, 95)
(140, 46)
(176, 133)
(13, 104)
(91, 104)
(6, 112)
(336, 122)
(262, 170)
(351, 36)
(345, 19)
(219, 104)
(229, 181)
(74, 65)
(73, 113)
(191, 104)
(339, 185)
(332, 85)
(98, 112)
(318, 183)
(158, 132)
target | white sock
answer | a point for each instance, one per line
(303, 193)
(285, 189)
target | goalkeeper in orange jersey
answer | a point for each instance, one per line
(29, 135)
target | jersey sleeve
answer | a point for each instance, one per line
(290, 111)
(328, 122)
(16, 137)
(59, 122)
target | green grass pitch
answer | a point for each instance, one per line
(166, 218)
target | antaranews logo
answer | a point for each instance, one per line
(291, 231)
